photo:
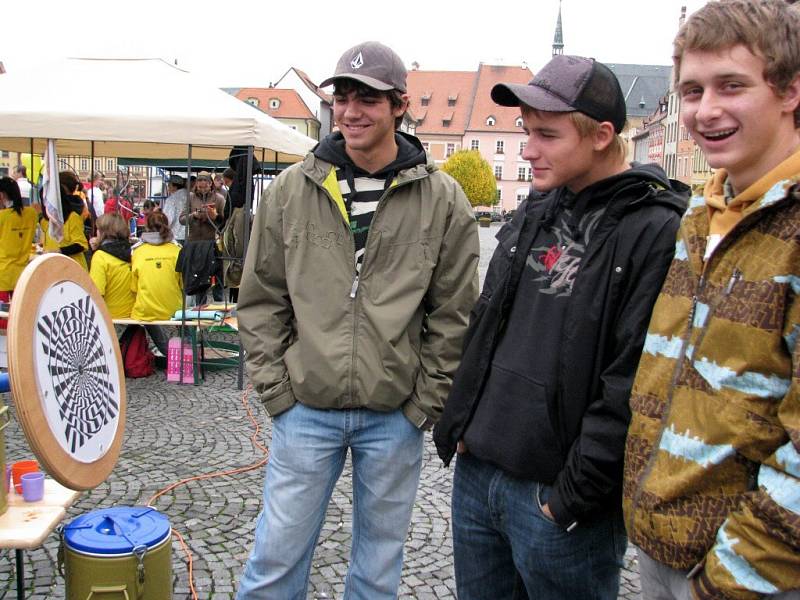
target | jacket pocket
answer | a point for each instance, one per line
(511, 426)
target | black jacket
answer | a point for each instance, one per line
(603, 331)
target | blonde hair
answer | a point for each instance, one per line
(767, 28)
(587, 126)
(111, 226)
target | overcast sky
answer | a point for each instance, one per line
(255, 41)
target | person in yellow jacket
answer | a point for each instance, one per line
(154, 280)
(74, 243)
(111, 264)
(17, 228)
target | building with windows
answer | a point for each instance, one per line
(454, 111)
(318, 102)
(499, 134)
(440, 102)
(285, 105)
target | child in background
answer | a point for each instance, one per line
(111, 264)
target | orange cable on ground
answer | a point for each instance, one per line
(261, 463)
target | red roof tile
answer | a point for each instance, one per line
(484, 106)
(439, 86)
(291, 105)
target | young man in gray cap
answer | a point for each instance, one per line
(354, 300)
(539, 406)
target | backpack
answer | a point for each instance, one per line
(136, 356)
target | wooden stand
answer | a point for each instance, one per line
(25, 525)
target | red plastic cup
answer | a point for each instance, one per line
(19, 468)
(33, 486)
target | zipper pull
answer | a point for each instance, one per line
(354, 287)
(736, 276)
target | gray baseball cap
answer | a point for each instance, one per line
(372, 64)
(567, 84)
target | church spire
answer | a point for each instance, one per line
(558, 38)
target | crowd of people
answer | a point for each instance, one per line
(132, 256)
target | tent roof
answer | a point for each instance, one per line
(156, 112)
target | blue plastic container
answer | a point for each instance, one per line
(120, 552)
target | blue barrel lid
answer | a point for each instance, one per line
(116, 530)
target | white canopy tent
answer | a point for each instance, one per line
(156, 111)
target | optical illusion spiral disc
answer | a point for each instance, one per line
(66, 375)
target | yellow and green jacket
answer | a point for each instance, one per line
(16, 235)
(111, 273)
(712, 462)
(154, 281)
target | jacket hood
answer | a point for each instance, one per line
(71, 203)
(410, 153)
(672, 193)
(120, 249)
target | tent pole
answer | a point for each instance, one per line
(34, 196)
(261, 179)
(248, 206)
(187, 212)
(92, 213)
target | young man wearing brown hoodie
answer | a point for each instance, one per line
(712, 463)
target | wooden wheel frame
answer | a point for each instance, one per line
(66, 372)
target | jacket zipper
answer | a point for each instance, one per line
(735, 277)
(354, 285)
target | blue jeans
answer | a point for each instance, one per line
(505, 547)
(307, 455)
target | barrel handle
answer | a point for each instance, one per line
(108, 589)
(5, 417)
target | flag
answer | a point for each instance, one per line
(52, 192)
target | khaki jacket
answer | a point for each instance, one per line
(317, 333)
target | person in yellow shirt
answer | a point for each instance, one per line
(111, 264)
(17, 228)
(74, 243)
(154, 280)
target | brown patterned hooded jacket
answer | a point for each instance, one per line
(712, 462)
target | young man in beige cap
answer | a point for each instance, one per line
(354, 300)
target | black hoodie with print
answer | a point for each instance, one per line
(542, 390)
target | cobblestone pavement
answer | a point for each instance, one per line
(174, 432)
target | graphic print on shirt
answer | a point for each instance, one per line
(555, 264)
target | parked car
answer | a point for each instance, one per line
(493, 216)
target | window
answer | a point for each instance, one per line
(499, 194)
(451, 100)
(521, 198)
(499, 147)
(450, 149)
(96, 164)
(274, 103)
(4, 154)
(498, 171)
(530, 174)
(110, 164)
(426, 146)
(84, 164)
(522, 146)
(520, 173)
(253, 101)
(425, 100)
(445, 122)
(518, 122)
(491, 121)
(475, 145)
